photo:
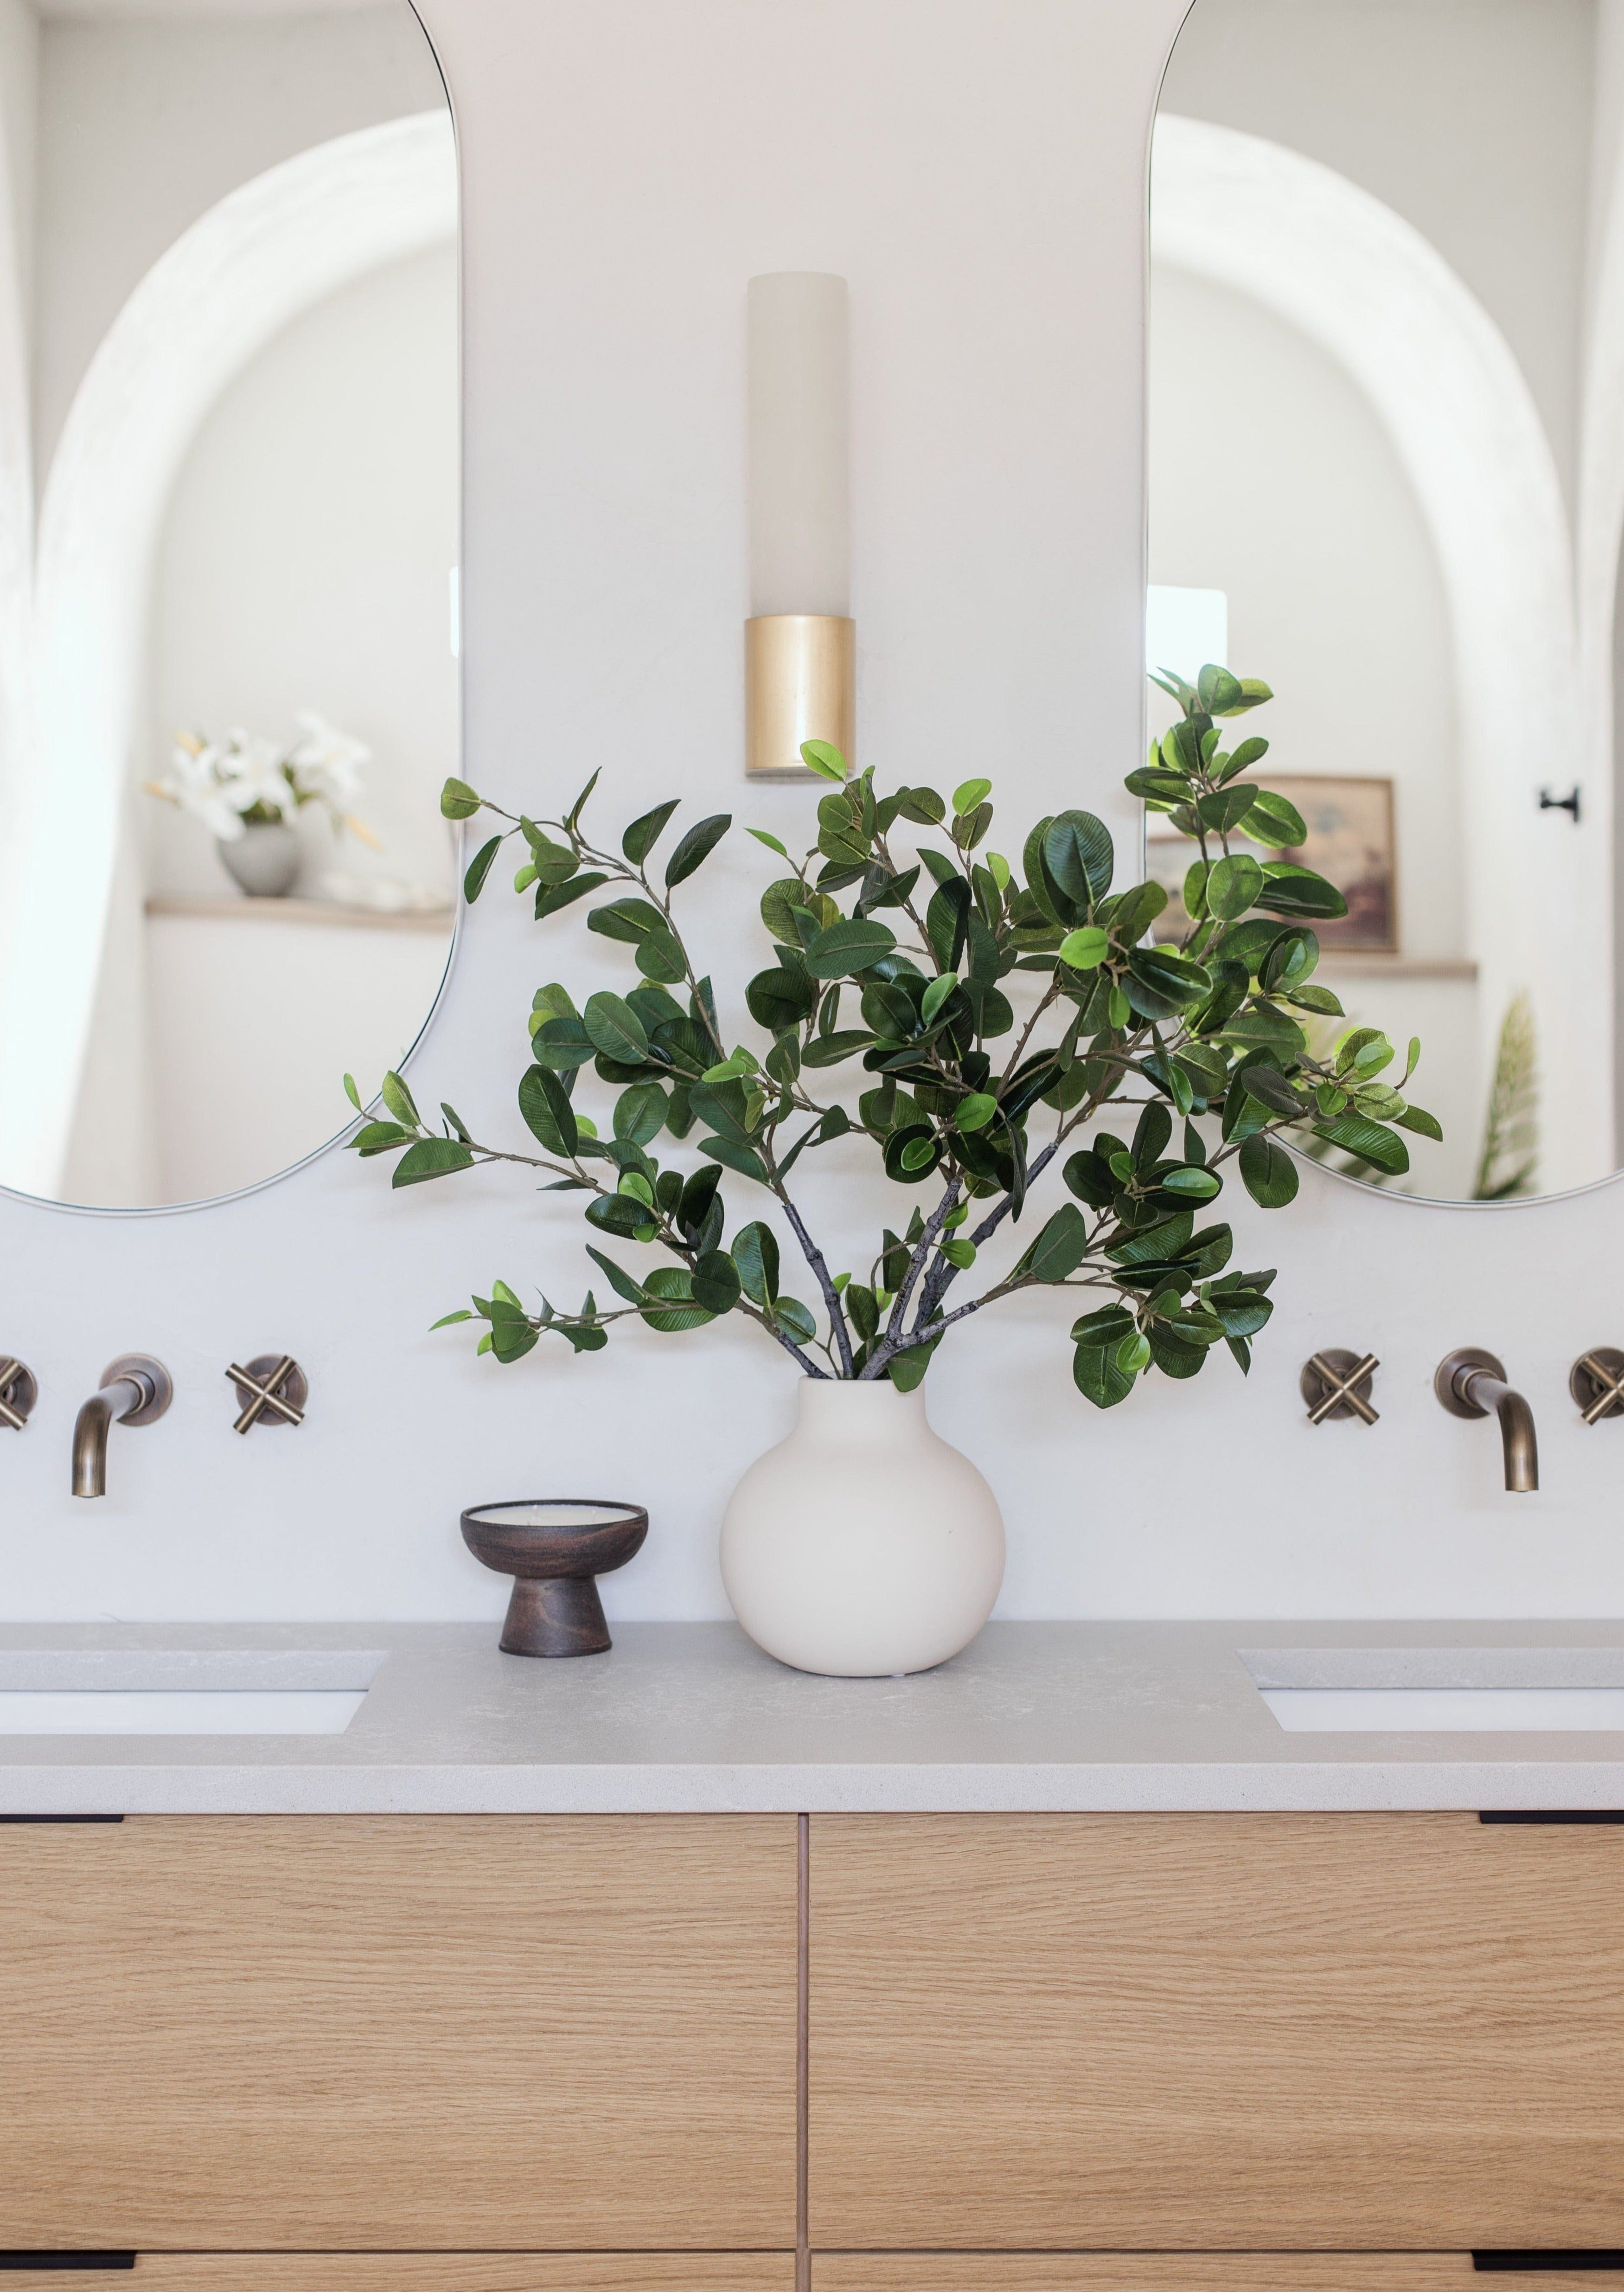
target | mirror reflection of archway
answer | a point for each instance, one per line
(1340, 428)
(72, 940)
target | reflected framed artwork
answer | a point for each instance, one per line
(1351, 839)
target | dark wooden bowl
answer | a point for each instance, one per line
(555, 1608)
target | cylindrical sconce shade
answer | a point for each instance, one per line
(799, 653)
(799, 683)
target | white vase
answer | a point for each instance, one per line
(863, 1546)
(264, 858)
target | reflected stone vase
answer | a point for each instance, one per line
(264, 858)
(863, 1546)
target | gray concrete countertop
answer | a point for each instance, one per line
(690, 1717)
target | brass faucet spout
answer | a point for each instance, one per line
(1471, 1382)
(134, 1389)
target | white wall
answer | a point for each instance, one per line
(305, 562)
(980, 179)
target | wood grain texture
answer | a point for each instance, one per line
(469, 2032)
(434, 2272)
(1277, 2031)
(1172, 2272)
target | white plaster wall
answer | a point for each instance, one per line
(305, 563)
(980, 176)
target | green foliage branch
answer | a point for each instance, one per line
(898, 960)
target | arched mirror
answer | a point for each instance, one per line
(1387, 476)
(229, 547)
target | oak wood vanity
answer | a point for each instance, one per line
(1040, 2053)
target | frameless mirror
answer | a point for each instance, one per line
(228, 541)
(1387, 476)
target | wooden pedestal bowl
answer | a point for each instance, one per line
(554, 1548)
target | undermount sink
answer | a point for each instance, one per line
(1441, 1690)
(184, 1691)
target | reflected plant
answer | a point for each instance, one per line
(1511, 1130)
(908, 965)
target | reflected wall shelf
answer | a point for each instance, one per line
(243, 909)
(1395, 966)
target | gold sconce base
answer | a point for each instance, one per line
(800, 684)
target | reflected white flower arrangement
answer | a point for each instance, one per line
(248, 782)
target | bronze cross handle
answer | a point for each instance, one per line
(18, 1394)
(1596, 1383)
(273, 1383)
(1337, 1383)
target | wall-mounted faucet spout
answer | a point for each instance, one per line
(134, 1389)
(1471, 1382)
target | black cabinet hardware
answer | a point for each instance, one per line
(56, 1817)
(83, 2261)
(1545, 2264)
(1558, 1814)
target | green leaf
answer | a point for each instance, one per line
(1079, 858)
(959, 1253)
(614, 1030)
(473, 883)
(431, 1158)
(970, 794)
(907, 1370)
(549, 1115)
(628, 920)
(696, 847)
(1096, 1374)
(640, 1113)
(848, 947)
(976, 1112)
(936, 994)
(755, 1253)
(640, 838)
(781, 998)
(1085, 949)
(1192, 1185)
(622, 1213)
(1233, 885)
(1224, 811)
(353, 1094)
(458, 801)
(791, 1314)
(561, 1044)
(1417, 1118)
(397, 1098)
(676, 1307)
(821, 757)
(1062, 1246)
(1370, 1141)
(1270, 1088)
(771, 842)
(553, 897)
(1273, 821)
(922, 805)
(780, 902)
(620, 1280)
(1268, 1173)
(716, 1282)
(445, 1320)
(912, 1154)
(1290, 890)
(732, 1156)
(379, 1137)
(831, 1050)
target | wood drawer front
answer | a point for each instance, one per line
(1174, 2271)
(424, 2272)
(1277, 2031)
(380, 2033)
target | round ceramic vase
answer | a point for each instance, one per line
(264, 858)
(863, 1546)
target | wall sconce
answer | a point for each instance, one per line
(799, 642)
